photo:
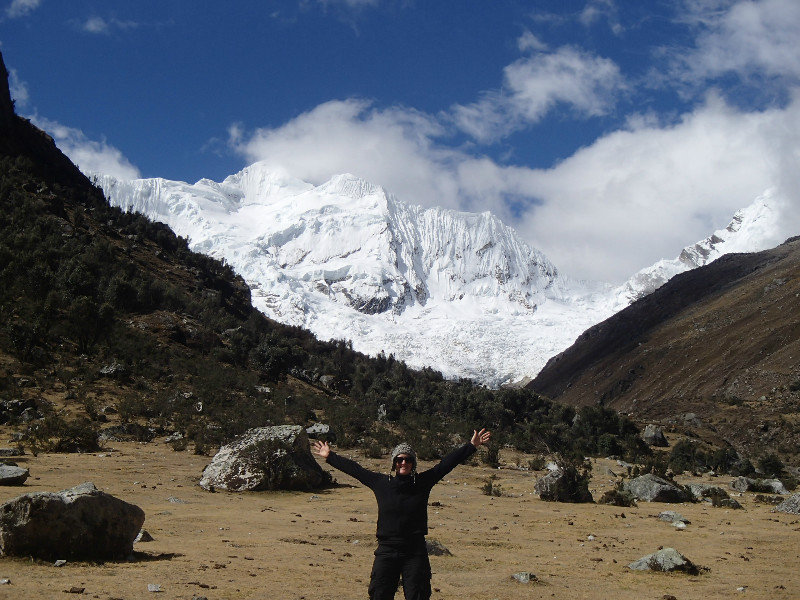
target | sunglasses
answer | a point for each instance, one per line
(403, 459)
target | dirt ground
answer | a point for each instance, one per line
(315, 546)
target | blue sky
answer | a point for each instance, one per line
(609, 133)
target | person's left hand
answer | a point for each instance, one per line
(480, 437)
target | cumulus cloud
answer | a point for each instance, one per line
(394, 147)
(641, 194)
(534, 85)
(21, 8)
(90, 156)
(749, 37)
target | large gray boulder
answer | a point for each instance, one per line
(81, 523)
(265, 458)
(13, 475)
(762, 486)
(666, 559)
(651, 488)
(791, 505)
(653, 435)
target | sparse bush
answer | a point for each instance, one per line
(490, 488)
(617, 497)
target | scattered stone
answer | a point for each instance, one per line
(5, 581)
(791, 505)
(654, 436)
(143, 537)
(75, 590)
(524, 577)
(59, 563)
(78, 523)
(5, 452)
(154, 587)
(651, 488)
(266, 458)
(671, 516)
(175, 500)
(680, 525)
(666, 560)
(13, 475)
(436, 549)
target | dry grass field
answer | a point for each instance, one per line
(317, 546)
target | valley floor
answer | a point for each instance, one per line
(318, 546)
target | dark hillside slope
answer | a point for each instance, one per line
(721, 342)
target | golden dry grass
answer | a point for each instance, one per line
(317, 546)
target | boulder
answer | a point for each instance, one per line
(666, 559)
(265, 458)
(563, 484)
(651, 488)
(654, 436)
(791, 505)
(763, 486)
(13, 475)
(81, 523)
(320, 431)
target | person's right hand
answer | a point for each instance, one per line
(322, 448)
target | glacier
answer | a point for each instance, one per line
(458, 292)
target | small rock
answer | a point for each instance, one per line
(154, 587)
(670, 516)
(5, 581)
(666, 559)
(75, 590)
(175, 500)
(524, 577)
(59, 563)
(143, 536)
(436, 549)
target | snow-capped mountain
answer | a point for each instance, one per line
(459, 292)
(455, 291)
(751, 229)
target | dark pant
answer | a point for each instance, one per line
(406, 558)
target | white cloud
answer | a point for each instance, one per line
(21, 8)
(638, 195)
(18, 89)
(392, 147)
(534, 85)
(89, 155)
(748, 37)
(597, 10)
(102, 26)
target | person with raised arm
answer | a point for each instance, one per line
(402, 514)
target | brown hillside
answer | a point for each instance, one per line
(721, 343)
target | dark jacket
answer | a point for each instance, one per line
(402, 500)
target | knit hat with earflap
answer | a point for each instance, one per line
(404, 449)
